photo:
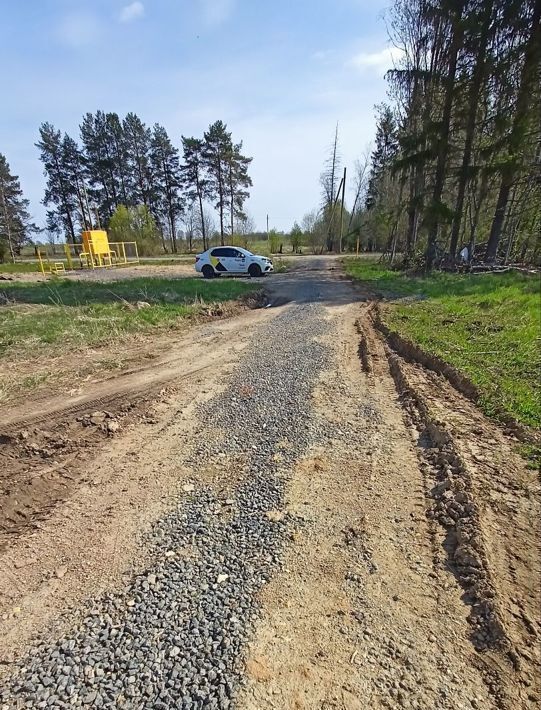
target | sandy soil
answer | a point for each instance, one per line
(375, 607)
(172, 271)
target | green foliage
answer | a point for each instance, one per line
(485, 325)
(135, 224)
(226, 171)
(296, 237)
(15, 225)
(382, 156)
(20, 267)
(240, 240)
(165, 166)
(124, 162)
(275, 239)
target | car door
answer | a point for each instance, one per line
(240, 262)
(219, 259)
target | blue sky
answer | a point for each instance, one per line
(280, 73)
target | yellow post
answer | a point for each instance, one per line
(123, 252)
(136, 252)
(68, 256)
(41, 267)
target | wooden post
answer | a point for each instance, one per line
(41, 267)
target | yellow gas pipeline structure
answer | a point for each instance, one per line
(95, 252)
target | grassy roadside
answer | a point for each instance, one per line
(20, 267)
(71, 314)
(485, 325)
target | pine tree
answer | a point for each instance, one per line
(73, 164)
(137, 140)
(216, 152)
(437, 209)
(481, 18)
(15, 225)
(119, 151)
(238, 183)
(194, 179)
(99, 164)
(60, 191)
(382, 157)
(165, 165)
(516, 142)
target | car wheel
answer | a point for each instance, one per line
(254, 270)
(208, 271)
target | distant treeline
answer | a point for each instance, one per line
(132, 178)
(126, 163)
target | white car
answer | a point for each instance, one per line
(231, 260)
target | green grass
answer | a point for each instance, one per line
(488, 326)
(20, 267)
(70, 314)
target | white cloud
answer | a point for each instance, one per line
(379, 61)
(78, 30)
(216, 11)
(132, 12)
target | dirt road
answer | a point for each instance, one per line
(279, 513)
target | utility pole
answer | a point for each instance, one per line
(342, 210)
(267, 227)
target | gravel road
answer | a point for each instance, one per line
(261, 538)
(175, 635)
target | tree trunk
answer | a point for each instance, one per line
(231, 197)
(172, 227)
(527, 77)
(483, 190)
(413, 220)
(121, 172)
(476, 83)
(221, 196)
(443, 146)
(203, 226)
(8, 227)
(330, 240)
(71, 228)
